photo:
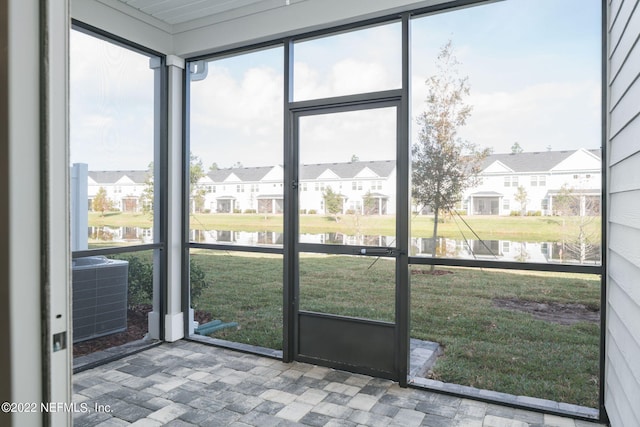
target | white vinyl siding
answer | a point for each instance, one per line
(622, 367)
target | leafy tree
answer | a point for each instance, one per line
(146, 198)
(332, 202)
(196, 172)
(521, 197)
(213, 167)
(101, 202)
(516, 148)
(444, 165)
(354, 158)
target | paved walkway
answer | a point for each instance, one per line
(190, 384)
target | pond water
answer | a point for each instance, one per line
(503, 250)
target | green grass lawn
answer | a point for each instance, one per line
(484, 346)
(514, 228)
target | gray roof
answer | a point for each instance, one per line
(244, 174)
(540, 161)
(111, 177)
(536, 161)
(382, 168)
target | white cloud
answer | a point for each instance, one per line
(559, 115)
(111, 105)
(563, 115)
(368, 134)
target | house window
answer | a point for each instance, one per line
(304, 186)
(506, 205)
(538, 180)
(544, 205)
(240, 188)
(510, 181)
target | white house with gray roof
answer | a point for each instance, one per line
(123, 188)
(543, 176)
(260, 189)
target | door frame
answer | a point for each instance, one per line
(396, 334)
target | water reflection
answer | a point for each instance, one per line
(120, 234)
(507, 250)
(503, 250)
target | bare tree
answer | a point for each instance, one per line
(522, 197)
(580, 228)
(444, 165)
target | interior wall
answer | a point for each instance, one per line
(622, 368)
(20, 226)
(34, 238)
(5, 226)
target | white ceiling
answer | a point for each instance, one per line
(173, 12)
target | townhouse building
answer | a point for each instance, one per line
(529, 183)
(536, 183)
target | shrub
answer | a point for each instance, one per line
(237, 211)
(350, 212)
(250, 211)
(140, 290)
(312, 212)
(198, 282)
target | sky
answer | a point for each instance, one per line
(111, 100)
(534, 78)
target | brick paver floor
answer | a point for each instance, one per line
(190, 384)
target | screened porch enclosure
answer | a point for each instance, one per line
(366, 286)
(283, 204)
